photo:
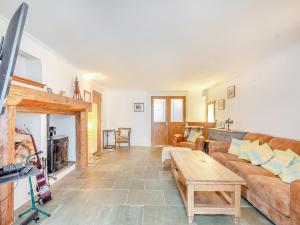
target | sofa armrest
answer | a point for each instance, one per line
(177, 138)
(218, 146)
(199, 143)
(295, 202)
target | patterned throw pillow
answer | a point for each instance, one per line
(244, 149)
(290, 174)
(296, 159)
(282, 159)
(193, 135)
(261, 155)
(235, 146)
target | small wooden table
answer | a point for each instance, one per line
(194, 171)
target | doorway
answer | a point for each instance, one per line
(97, 99)
(168, 117)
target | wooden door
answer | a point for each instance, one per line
(168, 115)
(97, 99)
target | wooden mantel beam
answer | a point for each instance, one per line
(31, 99)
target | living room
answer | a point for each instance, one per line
(164, 113)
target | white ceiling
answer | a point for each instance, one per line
(163, 44)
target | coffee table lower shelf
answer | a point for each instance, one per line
(230, 192)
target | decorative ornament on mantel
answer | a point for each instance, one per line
(228, 122)
(77, 94)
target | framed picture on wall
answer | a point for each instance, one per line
(221, 104)
(231, 91)
(87, 96)
(138, 107)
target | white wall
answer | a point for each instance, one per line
(119, 112)
(56, 73)
(196, 111)
(267, 96)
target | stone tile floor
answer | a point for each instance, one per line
(127, 187)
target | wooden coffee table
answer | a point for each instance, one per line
(197, 172)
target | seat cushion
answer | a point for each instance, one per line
(122, 138)
(186, 144)
(272, 191)
(224, 158)
(244, 169)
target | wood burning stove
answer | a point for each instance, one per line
(57, 156)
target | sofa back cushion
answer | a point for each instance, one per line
(285, 144)
(262, 138)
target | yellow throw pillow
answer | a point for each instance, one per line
(235, 146)
(282, 159)
(244, 149)
(261, 155)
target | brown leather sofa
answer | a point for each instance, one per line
(180, 141)
(279, 201)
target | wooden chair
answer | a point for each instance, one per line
(122, 135)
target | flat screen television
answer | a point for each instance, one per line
(9, 48)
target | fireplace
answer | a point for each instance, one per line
(57, 153)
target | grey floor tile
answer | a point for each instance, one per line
(165, 215)
(76, 197)
(128, 184)
(245, 203)
(97, 175)
(165, 175)
(146, 174)
(137, 185)
(176, 215)
(108, 197)
(73, 184)
(213, 220)
(145, 197)
(74, 214)
(125, 186)
(251, 216)
(120, 215)
(98, 184)
(160, 185)
(172, 197)
(122, 184)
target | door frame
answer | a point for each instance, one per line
(97, 99)
(168, 117)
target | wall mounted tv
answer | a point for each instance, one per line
(9, 48)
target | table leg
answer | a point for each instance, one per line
(237, 204)
(190, 202)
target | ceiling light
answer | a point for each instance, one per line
(94, 76)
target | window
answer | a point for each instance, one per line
(159, 110)
(176, 110)
(210, 117)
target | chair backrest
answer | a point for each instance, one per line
(124, 132)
